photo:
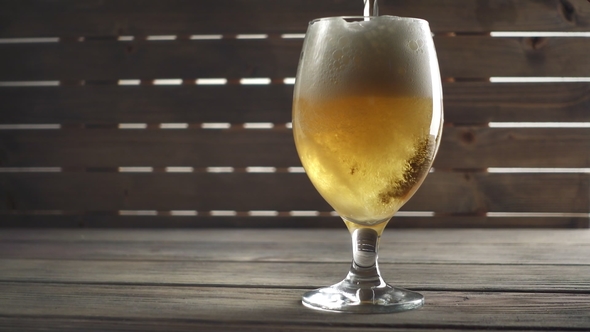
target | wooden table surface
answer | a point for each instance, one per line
(252, 280)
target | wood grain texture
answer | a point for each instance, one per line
(210, 304)
(443, 192)
(114, 147)
(480, 147)
(464, 102)
(148, 280)
(448, 277)
(153, 104)
(150, 325)
(486, 57)
(467, 57)
(461, 147)
(157, 17)
(334, 249)
(477, 102)
(108, 60)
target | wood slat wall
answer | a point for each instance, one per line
(71, 176)
(443, 192)
(461, 147)
(464, 102)
(33, 18)
(464, 57)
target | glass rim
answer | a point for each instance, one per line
(360, 17)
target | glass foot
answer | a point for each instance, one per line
(348, 297)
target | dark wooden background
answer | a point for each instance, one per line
(72, 176)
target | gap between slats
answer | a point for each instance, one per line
(270, 169)
(157, 81)
(256, 125)
(211, 213)
(196, 37)
(285, 214)
(267, 81)
(151, 38)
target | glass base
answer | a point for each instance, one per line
(349, 297)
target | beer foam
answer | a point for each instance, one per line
(384, 55)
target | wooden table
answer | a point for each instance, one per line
(252, 280)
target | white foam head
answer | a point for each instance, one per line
(385, 54)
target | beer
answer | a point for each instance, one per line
(367, 118)
(367, 115)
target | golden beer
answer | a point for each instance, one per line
(366, 125)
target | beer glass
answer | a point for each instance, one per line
(367, 120)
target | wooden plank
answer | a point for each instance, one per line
(449, 277)
(112, 60)
(464, 102)
(157, 17)
(480, 147)
(203, 220)
(210, 304)
(151, 104)
(163, 191)
(148, 325)
(443, 192)
(487, 57)
(299, 249)
(463, 57)
(157, 148)
(482, 102)
(461, 147)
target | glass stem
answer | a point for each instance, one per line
(364, 270)
(363, 290)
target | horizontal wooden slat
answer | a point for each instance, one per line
(200, 148)
(204, 221)
(441, 192)
(152, 104)
(144, 325)
(235, 305)
(464, 102)
(89, 18)
(473, 56)
(523, 278)
(513, 147)
(533, 102)
(296, 252)
(107, 60)
(486, 57)
(461, 147)
(482, 247)
(120, 191)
